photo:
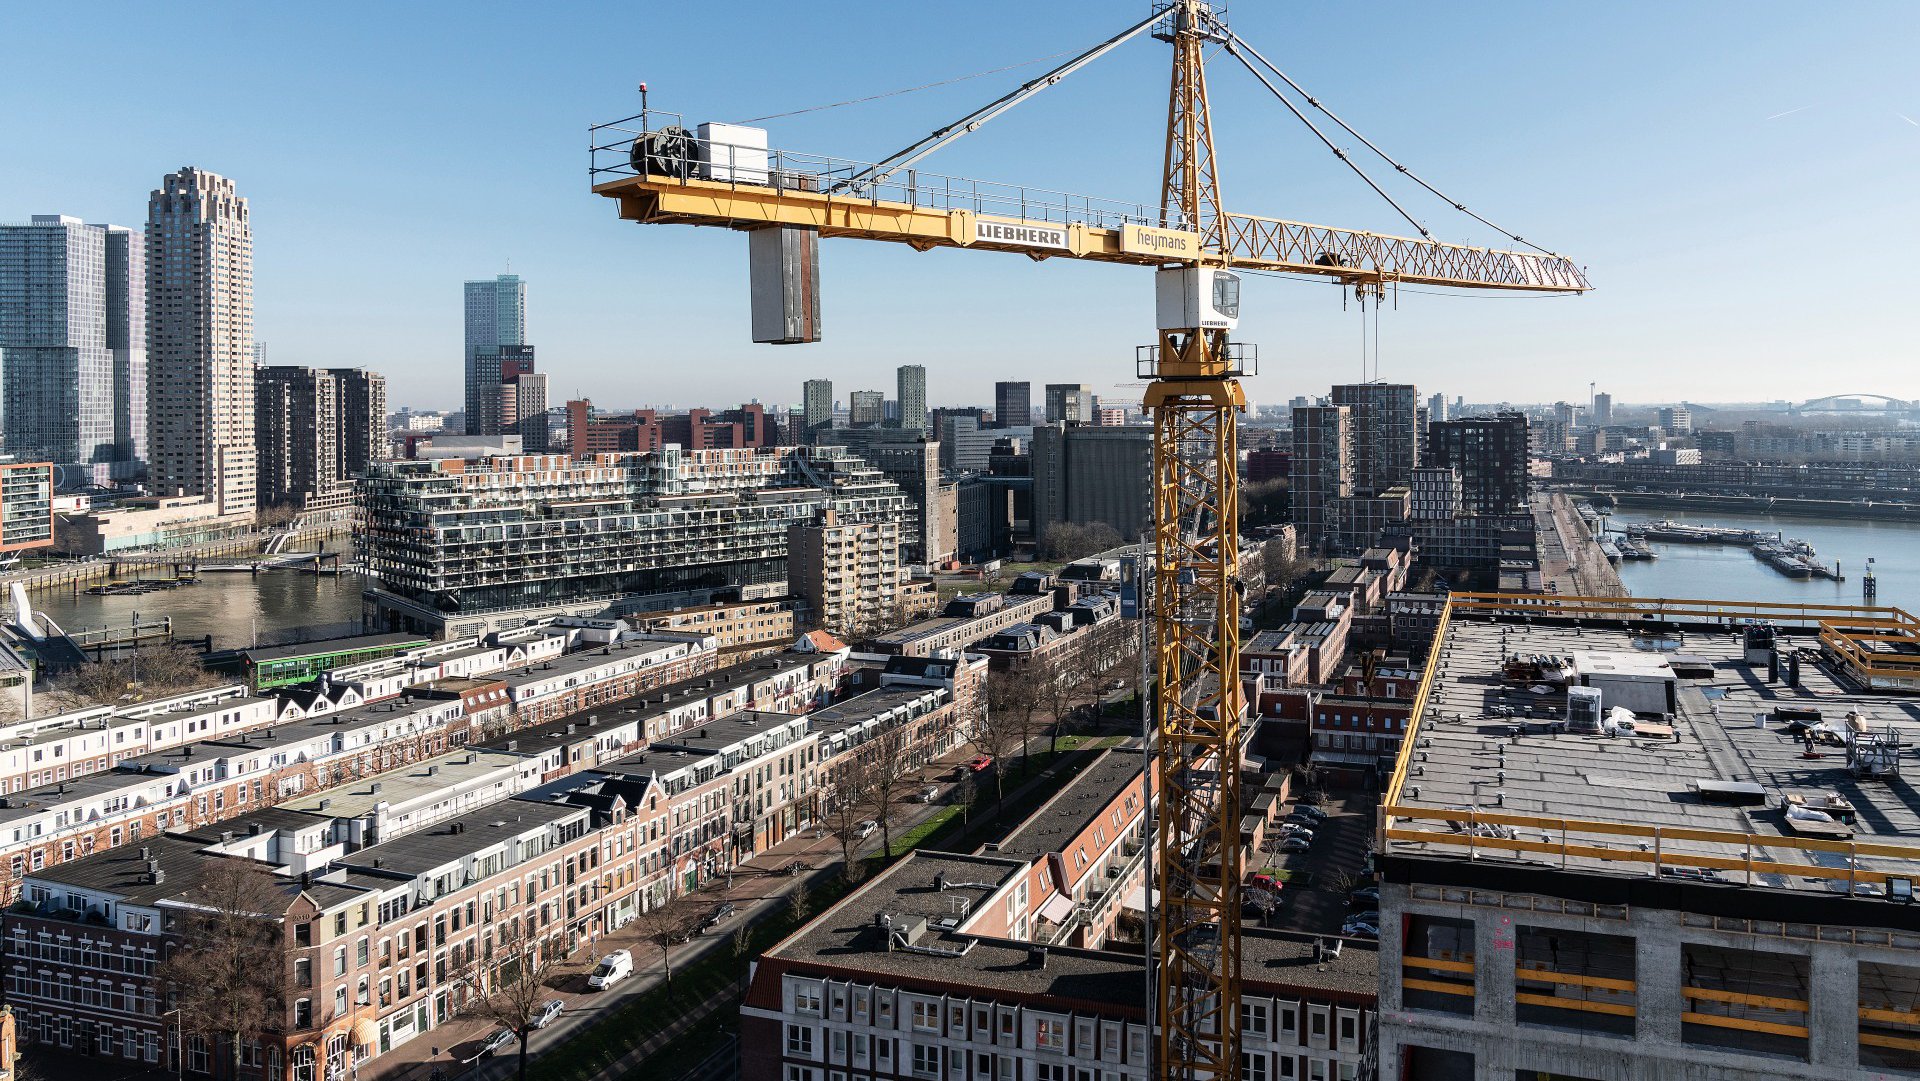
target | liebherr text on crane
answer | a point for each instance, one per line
(661, 172)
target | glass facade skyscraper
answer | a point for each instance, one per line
(496, 322)
(72, 349)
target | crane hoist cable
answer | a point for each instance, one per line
(1331, 145)
(1369, 144)
(905, 90)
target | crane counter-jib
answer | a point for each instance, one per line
(1048, 230)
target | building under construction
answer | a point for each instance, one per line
(1637, 839)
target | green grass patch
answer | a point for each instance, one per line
(919, 834)
(1301, 879)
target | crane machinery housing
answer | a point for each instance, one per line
(659, 172)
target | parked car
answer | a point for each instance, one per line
(927, 795)
(1365, 895)
(548, 1010)
(501, 1039)
(980, 763)
(1260, 881)
(1310, 811)
(717, 917)
(865, 830)
(1295, 843)
(1295, 829)
(612, 968)
(1360, 930)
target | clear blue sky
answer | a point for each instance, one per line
(391, 151)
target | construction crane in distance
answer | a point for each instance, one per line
(659, 172)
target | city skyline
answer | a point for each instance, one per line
(619, 305)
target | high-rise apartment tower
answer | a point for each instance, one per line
(912, 379)
(199, 256)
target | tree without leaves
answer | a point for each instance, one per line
(151, 672)
(1012, 700)
(509, 986)
(841, 813)
(228, 973)
(1068, 541)
(883, 771)
(663, 925)
(997, 729)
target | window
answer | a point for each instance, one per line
(800, 1040)
(1050, 1035)
(1253, 1066)
(806, 997)
(340, 961)
(926, 1016)
(926, 1061)
(1253, 1018)
(1050, 1071)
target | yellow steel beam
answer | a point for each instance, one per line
(1744, 1024)
(1617, 1009)
(1254, 243)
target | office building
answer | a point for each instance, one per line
(315, 430)
(529, 391)
(1321, 470)
(866, 409)
(496, 325)
(1676, 419)
(816, 410)
(199, 254)
(1490, 455)
(463, 546)
(1713, 892)
(1602, 409)
(1384, 433)
(847, 572)
(73, 349)
(1086, 474)
(964, 445)
(912, 379)
(1013, 405)
(1069, 403)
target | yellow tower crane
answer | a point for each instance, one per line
(726, 175)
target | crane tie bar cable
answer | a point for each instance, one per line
(904, 90)
(1368, 143)
(1337, 152)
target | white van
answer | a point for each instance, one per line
(612, 968)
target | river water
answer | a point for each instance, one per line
(1727, 572)
(238, 610)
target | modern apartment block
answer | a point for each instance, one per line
(456, 547)
(816, 408)
(1385, 433)
(73, 348)
(1013, 405)
(1676, 419)
(315, 430)
(26, 505)
(866, 409)
(1436, 408)
(1321, 467)
(199, 272)
(1069, 403)
(912, 390)
(1691, 861)
(930, 531)
(847, 571)
(523, 406)
(1602, 409)
(1085, 474)
(496, 342)
(1490, 455)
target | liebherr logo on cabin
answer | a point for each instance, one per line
(1033, 236)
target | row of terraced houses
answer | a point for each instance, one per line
(545, 785)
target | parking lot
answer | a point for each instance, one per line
(1320, 879)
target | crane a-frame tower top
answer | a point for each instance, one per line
(660, 173)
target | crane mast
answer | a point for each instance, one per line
(1194, 399)
(728, 177)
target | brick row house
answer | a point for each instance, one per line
(398, 882)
